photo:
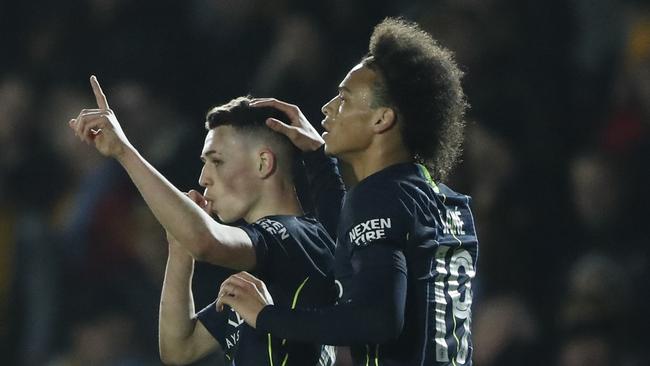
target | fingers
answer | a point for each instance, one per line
(281, 127)
(228, 290)
(200, 201)
(291, 110)
(237, 284)
(197, 198)
(249, 277)
(102, 103)
(230, 287)
(82, 113)
(92, 128)
(225, 300)
(88, 123)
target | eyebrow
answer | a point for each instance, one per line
(207, 154)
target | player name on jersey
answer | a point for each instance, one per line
(453, 223)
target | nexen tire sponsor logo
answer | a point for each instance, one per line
(274, 227)
(365, 232)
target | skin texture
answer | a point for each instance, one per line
(227, 174)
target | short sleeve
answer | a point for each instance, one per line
(216, 322)
(268, 237)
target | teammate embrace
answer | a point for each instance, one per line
(406, 246)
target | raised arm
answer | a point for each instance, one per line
(182, 339)
(204, 238)
(325, 183)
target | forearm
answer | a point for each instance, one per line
(376, 314)
(176, 321)
(182, 339)
(181, 217)
(339, 325)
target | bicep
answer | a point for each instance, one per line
(232, 248)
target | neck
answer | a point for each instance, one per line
(277, 198)
(376, 158)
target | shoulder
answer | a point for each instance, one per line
(388, 192)
(292, 236)
(382, 207)
(292, 228)
(274, 226)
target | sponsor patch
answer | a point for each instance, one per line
(364, 233)
(274, 227)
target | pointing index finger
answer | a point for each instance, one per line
(102, 103)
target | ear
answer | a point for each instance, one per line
(266, 163)
(385, 120)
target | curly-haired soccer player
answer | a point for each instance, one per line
(406, 247)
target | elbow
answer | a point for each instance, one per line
(202, 249)
(175, 353)
(172, 358)
(199, 252)
(208, 252)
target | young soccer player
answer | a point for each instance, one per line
(247, 175)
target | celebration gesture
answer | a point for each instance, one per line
(301, 133)
(100, 127)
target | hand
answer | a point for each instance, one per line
(200, 200)
(301, 133)
(100, 126)
(246, 294)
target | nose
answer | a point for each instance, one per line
(204, 180)
(326, 109)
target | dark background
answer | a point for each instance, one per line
(556, 159)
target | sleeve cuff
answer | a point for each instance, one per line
(259, 245)
(265, 318)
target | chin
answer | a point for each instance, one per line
(226, 219)
(229, 219)
(329, 149)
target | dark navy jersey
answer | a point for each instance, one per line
(406, 254)
(294, 258)
(326, 188)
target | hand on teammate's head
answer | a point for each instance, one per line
(299, 130)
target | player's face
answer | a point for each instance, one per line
(228, 174)
(349, 116)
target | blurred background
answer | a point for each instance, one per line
(556, 159)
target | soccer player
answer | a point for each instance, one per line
(247, 175)
(406, 246)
